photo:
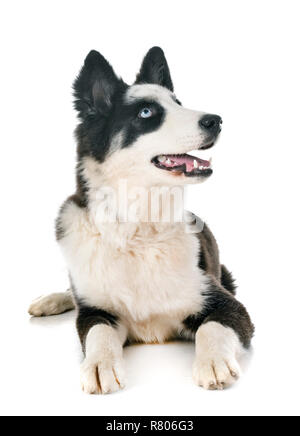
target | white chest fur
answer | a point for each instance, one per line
(145, 273)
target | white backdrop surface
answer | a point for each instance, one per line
(237, 59)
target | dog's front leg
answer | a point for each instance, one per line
(223, 329)
(102, 337)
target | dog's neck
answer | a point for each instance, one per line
(122, 201)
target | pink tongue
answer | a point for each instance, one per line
(187, 160)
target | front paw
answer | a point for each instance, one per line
(216, 372)
(102, 377)
(217, 348)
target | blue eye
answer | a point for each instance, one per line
(145, 113)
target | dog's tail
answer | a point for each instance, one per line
(227, 280)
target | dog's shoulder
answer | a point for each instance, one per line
(71, 216)
(209, 259)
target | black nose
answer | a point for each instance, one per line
(211, 123)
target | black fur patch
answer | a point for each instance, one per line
(95, 135)
(155, 69)
(88, 317)
(126, 120)
(227, 280)
(59, 230)
(222, 307)
(95, 86)
(209, 253)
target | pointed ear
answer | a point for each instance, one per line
(155, 69)
(95, 86)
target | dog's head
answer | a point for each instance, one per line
(140, 132)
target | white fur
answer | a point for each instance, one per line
(217, 350)
(146, 273)
(52, 304)
(103, 369)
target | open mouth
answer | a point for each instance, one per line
(186, 164)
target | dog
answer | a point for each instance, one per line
(135, 279)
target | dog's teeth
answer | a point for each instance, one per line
(162, 159)
(210, 161)
(195, 164)
(168, 162)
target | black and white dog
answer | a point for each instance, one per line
(142, 280)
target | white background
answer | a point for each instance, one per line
(239, 59)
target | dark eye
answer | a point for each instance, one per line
(145, 113)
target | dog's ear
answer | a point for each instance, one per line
(95, 86)
(155, 69)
